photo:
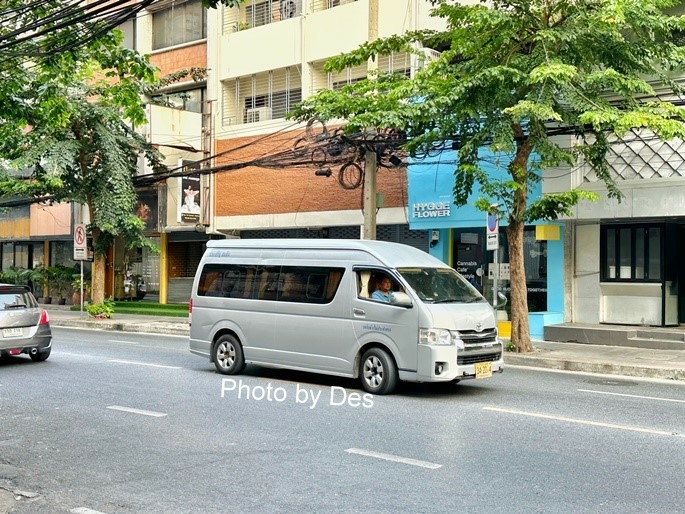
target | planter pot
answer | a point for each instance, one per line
(62, 301)
(76, 299)
(46, 299)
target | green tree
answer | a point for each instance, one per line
(73, 130)
(513, 74)
(71, 98)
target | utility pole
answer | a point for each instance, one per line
(370, 160)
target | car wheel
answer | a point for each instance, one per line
(40, 356)
(228, 355)
(378, 372)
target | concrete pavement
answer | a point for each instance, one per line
(591, 358)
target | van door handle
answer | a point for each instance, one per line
(358, 312)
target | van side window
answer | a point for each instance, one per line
(228, 281)
(308, 284)
(304, 284)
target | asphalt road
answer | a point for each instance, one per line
(117, 422)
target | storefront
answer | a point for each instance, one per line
(458, 237)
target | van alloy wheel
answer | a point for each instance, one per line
(228, 355)
(378, 372)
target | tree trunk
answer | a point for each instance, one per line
(520, 328)
(98, 285)
(97, 292)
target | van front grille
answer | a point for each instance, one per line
(472, 359)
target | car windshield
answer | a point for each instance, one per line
(440, 285)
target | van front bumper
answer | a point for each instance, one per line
(446, 363)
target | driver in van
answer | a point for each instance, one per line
(383, 291)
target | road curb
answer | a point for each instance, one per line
(153, 327)
(595, 367)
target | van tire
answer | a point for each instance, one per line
(228, 355)
(378, 372)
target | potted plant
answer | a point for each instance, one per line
(76, 288)
(15, 275)
(61, 278)
(41, 276)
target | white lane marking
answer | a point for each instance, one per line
(123, 342)
(632, 396)
(116, 361)
(584, 422)
(85, 510)
(138, 411)
(394, 458)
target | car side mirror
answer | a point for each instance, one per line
(400, 299)
(502, 301)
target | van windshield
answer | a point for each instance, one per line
(440, 285)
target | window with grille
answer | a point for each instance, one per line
(181, 23)
(399, 63)
(320, 5)
(255, 13)
(257, 98)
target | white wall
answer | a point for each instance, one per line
(586, 302)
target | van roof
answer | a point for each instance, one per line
(395, 255)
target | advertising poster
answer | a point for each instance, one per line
(146, 209)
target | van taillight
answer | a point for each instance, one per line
(44, 319)
(190, 306)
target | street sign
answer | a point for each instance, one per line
(80, 243)
(492, 232)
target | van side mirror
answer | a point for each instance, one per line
(400, 299)
(502, 301)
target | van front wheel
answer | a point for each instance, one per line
(378, 372)
(228, 355)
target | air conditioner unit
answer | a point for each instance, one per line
(290, 9)
(258, 114)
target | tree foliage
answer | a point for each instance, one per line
(512, 75)
(72, 97)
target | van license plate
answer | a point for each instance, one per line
(11, 332)
(483, 369)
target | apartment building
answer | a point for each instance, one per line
(265, 57)
(262, 59)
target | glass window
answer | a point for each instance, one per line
(610, 261)
(7, 255)
(640, 254)
(189, 100)
(181, 23)
(625, 253)
(286, 284)
(630, 253)
(128, 29)
(654, 252)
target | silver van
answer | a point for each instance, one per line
(309, 305)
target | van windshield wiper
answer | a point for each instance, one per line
(451, 299)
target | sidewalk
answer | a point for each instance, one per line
(591, 358)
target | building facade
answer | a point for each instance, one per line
(623, 258)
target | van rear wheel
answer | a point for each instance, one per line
(378, 372)
(228, 355)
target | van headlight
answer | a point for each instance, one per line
(435, 336)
